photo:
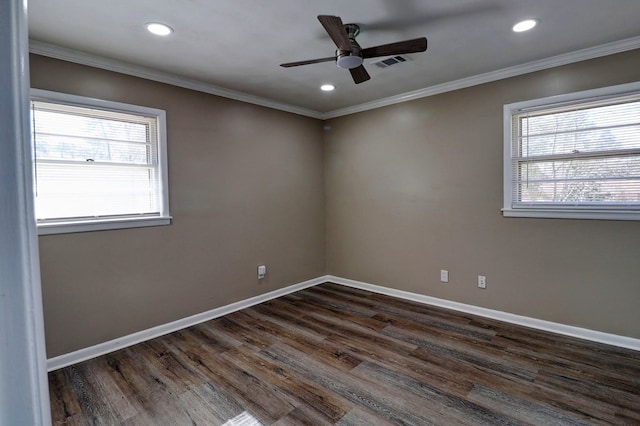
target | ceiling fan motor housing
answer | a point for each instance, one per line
(353, 59)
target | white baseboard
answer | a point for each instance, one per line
(151, 333)
(567, 330)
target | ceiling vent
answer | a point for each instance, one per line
(391, 61)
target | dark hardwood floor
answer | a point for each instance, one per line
(335, 355)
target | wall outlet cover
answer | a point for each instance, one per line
(482, 281)
(262, 271)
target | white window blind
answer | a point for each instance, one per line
(574, 157)
(97, 162)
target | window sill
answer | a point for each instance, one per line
(572, 214)
(101, 225)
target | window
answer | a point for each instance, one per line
(574, 156)
(98, 164)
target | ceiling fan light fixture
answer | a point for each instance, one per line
(159, 29)
(327, 87)
(349, 61)
(525, 25)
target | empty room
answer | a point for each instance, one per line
(326, 213)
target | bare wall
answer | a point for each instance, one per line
(417, 187)
(246, 187)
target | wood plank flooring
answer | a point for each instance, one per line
(332, 355)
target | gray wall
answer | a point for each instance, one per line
(410, 189)
(246, 187)
(417, 187)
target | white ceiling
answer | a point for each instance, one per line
(239, 44)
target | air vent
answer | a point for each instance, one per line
(390, 61)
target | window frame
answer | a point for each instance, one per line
(122, 222)
(561, 212)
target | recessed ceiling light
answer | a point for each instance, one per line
(159, 29)
(327, 87)
(525, 25)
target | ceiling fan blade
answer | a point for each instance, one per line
(308, 62)
(335, 28)
(359, 74)
(398, 48)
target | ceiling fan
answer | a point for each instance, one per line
(350, 55)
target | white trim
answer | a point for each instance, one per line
(554, 327)
(507, 170)
(543, 64)
(511, 207)
(78, 57)
(542, 213)
(159, 116)
(102, 225)
(151, 333)
(573, 98)
(24, 392)
(87, 102)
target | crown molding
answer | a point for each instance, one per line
(539, 65)
(82, 58)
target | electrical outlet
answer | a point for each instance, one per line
(262, 271)
(482, 281)
(444, 276)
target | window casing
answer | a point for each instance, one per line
(574, 156)
(98, 164)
